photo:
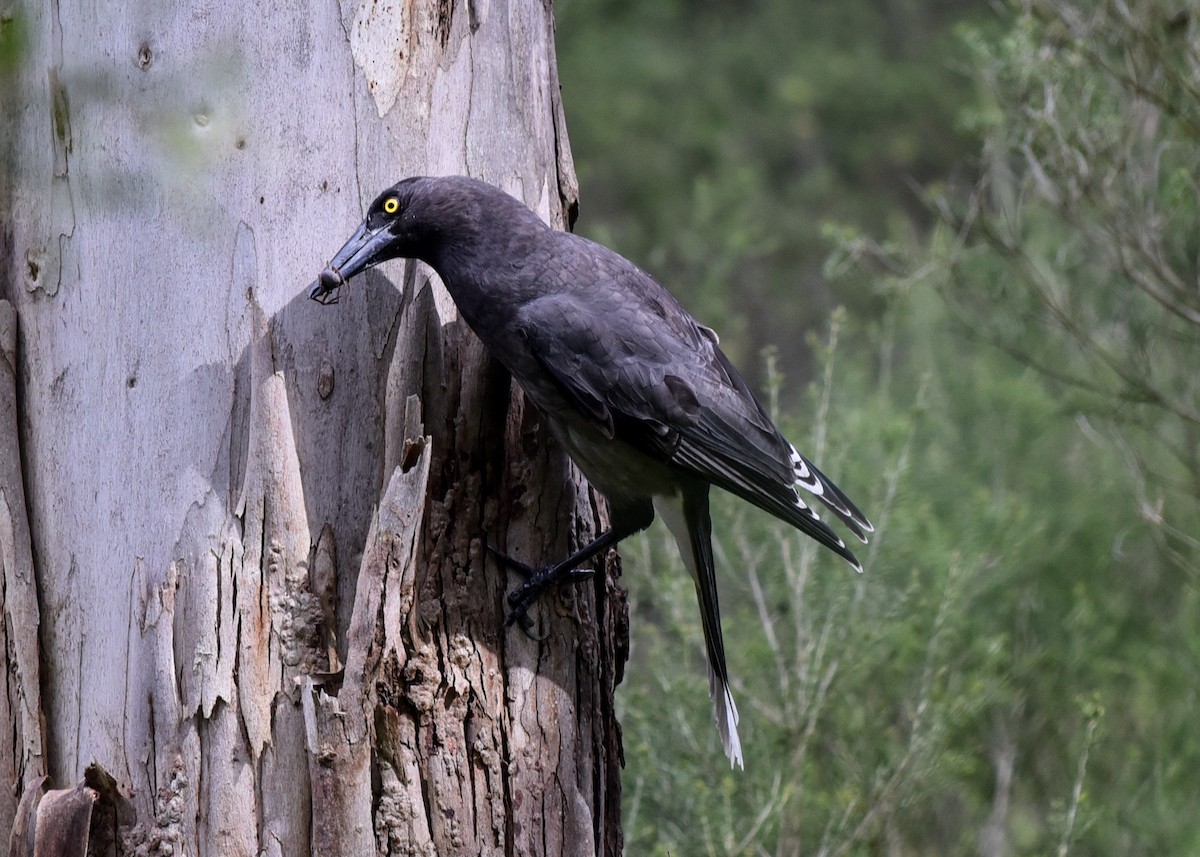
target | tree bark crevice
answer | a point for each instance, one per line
(20, 703)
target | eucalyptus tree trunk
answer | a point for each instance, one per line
(248, 603)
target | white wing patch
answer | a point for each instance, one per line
(804, 475)
(810, 512)
(812, 481)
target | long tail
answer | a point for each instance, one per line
(691, 525)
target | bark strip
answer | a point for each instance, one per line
(20, 703)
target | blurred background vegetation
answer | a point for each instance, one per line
(957, 247)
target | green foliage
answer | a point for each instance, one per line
(712, 139)
(1079, 252)
(1018, 669)
(1012, 613)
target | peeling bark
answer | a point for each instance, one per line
(21, 762)
(258, 526)
(83, 821)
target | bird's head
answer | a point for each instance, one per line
(392, 229)
(448, 222)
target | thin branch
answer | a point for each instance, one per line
(1064, 845)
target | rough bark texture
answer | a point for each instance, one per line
(20, 704)
(232, 493)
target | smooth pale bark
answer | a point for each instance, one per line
(232, 493)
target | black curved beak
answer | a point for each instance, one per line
(365, 249)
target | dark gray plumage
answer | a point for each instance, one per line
(637, 391)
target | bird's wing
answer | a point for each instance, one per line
(642, 370)
(734, 434)
(733, 443)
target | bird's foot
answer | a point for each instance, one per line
(537, 581)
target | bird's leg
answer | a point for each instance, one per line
(538, 580)
(627, 518)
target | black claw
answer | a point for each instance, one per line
(521, 617)
(578, 575)
(506, 560)
(537, 581)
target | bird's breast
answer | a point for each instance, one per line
(614, 467)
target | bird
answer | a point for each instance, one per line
(637, 391)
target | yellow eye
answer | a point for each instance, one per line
(391, 205)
